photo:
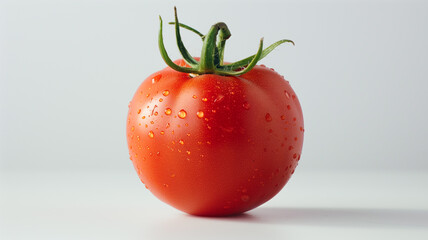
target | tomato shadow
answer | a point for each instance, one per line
(337, 217)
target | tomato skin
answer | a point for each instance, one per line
(215, 145)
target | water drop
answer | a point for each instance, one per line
(282, 117)
(245, 198)
(295, 155)
(268, 117)
(182, 114)
(139, 111)
(200, 114)
(219, 98)
(194, 97)
(168, 111)
(172, 175)
(156, 78)
(181, 141)
(246, 105)
(160, 99)
(162, 132)
(165, 93)
(156, 113)
(204, 99)
(143, 117)
(165, 185)
(288, 107)
(188, 152)
(286, 94)
(151, 134)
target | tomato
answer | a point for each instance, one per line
(214, 145)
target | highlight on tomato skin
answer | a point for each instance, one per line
(210, 142)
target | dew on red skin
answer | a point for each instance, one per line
(182, 114)
(181, 141)
(219, 98)
(151, 134)
(165, 93)
(288, 107)
(156, 78)
(268, 117)
(246, 105)
(200, 114)
(139, 111)
(245, 198)
(168, 111)
(204, 99)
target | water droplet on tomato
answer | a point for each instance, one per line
(204, 99)
(168, 111)
(245, 198)
(156, 113)
(295, 155)
(165, 185)
(219, 98)
(165, 93)
(182, 114)
(282, 117)
(194, 96)
(151, 134)
(188, 152)
(139, 111)
(200, 114)
(246, 105)
(288, 107)
(162, 132)
(156, 78)
(268, 117)
(160, 99)
(181, 141)
(286, 94)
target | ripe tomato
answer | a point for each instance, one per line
(215, 145)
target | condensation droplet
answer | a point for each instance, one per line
(182, 114)
(165, 93)
(295, 155)
(156, 113)
(286, 94)
(162, 132)
(288, 107)
(268, 117)
(245, 198)
(151, 134)
(246, 105)
(139, 111)
(181, 141)
(282, 117)
(160, 99)
(143, 117)
(204, 99)
(165, 185)
(200, 114)
(156, 78)
(219, 98)
(194, 96)
(172, 175)
(188, 152)
(132, 128)
(168, 111)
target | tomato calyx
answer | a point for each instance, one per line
(211, 60)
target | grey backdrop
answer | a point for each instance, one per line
(69, 68)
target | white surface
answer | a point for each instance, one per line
(109, 205)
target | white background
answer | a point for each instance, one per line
(69, 68)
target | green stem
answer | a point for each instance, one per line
(212, 54)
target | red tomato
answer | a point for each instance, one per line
(215, 145)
